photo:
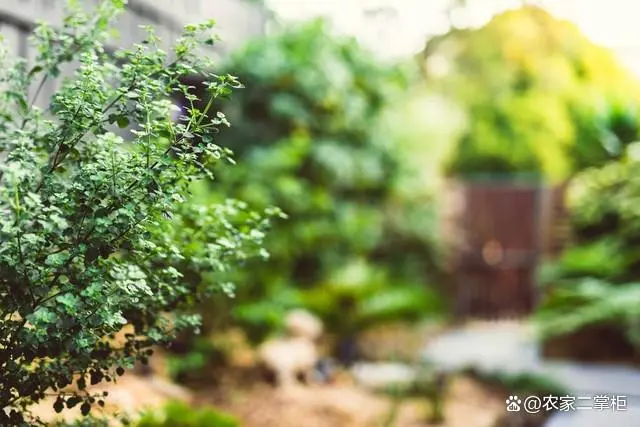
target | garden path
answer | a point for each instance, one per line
(511, 347)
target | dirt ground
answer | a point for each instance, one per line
(243, 394)
(468, 404)
(131, 394)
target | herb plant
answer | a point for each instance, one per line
(93, 228)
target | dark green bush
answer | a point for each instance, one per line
(196, 363)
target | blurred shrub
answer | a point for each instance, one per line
(538, 96)
(190, 365)
(178, 414)
(198, 360)
(520, 384)
(359, 296)
(596, 281)
(590, 302)
(88, 421)
(306, 137)
(605, 216)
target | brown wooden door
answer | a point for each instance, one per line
(495, 269)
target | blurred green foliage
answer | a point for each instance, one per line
(595, 281)
(538, 96)
(178, 414)
(591, 302)
(424, 126)
(605, 216)
(307, 139)
(88, 421)
(520, 383)
(198, 361)
(183, 367)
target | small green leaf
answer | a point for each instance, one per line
(123, 122)
(22, 103)
(35, 70)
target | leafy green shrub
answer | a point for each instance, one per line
(538, 96)
(589, 302)
(87, 240)
(358, 297)
(196, 362)
(604, 214)
(178, 414)
(602, 258)
(181, 367)
(596, 280)
(306, 141)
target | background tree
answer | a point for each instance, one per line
(308, 140)
(537, 94)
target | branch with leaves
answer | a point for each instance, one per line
(88, 221)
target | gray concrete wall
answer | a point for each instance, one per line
(237, 21)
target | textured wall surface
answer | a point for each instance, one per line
(237, 20)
